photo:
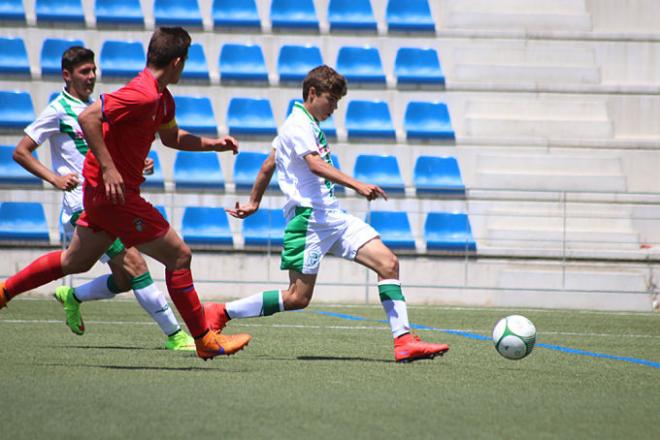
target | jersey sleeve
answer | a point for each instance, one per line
(168, 118)
(302, 140)
(125, 104)
(46, 125)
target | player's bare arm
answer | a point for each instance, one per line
(258, 189)
(175, 137)
(321, 168)
(91, 122)
(23, 155)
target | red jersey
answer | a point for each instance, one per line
(131, 117)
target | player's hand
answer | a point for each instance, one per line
(114, 186)
(371, 192)
(226, 143)
(67, 182)
(148, 166)
(242, 211)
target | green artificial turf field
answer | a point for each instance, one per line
(327, 373)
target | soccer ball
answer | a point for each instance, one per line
(514, 337)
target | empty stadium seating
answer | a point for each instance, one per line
(418, 66)
(119, 12)
(177, 13)
(295, 14)
(246, 168)
(198, 170)
(393, 227)
(196, 66)
(294, 62)
(409, 16)
(381, 170)
(70, 11)
(235, 13)
(369, 119)
(155, 180)
(162, 211)
(264, 228)
(12, 10)
(428, 120)
(351, 15)
(206, 226)
(16, 110)
(328, 125)
(13, 57)
(437, 175)
(11, 173)
(249, 116)
(335, 162)
(195, 114)
(449, 232)
(51, 54)
(23, 221)
(360, 65)
(122, 58)
(242, 62)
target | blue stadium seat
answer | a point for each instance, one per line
(409, 16)
(206, 226)
(122, 58)
(196, 67)
(195, 114)
(360, 65)
(12, 10)
(335, 161)
(23, 221)
(51, 54)
(52, 96)
(246, 168)
(393, 227)
(177, 13)
(16, 110)
(294, 62)
(444, 231)
(251, 116)
(59, 11)
(11, 173)
(418, 66)
(162, 211)
(370, 119)
(437, 175)
(299, 14)
(264, 228)
(235, 13)
(428, 120)
(242, 62)
(13, 56)
(198, 170)
(119, 12)
(351, 14)
(156, 179)
(381, 170)
(328, 126)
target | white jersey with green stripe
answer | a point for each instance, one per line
(299, 136)
(58, 123)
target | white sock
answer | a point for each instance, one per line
(96, 289)
(153, 302)
(395, 306)
(261, 304)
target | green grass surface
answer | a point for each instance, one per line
(307, 375)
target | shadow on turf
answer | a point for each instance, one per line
(112, 347)
(340, 358)
(131, 368)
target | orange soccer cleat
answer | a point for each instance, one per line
(214, 344)
(410, 347)
(216, 317)
(4, 299)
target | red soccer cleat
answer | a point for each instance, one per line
(216, 317)
(410, 347)
(214, 344)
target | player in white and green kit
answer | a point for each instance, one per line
(317, 225)
(58, 123)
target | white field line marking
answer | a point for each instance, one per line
(331, 327)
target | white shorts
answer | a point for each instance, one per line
(311, 234)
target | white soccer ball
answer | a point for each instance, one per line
(514, 337)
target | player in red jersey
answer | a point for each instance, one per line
(119, 129)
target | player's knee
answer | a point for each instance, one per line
(183, 257)
(134, 262)
(71, 264)
(390, 266)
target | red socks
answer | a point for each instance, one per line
(183, 294)
(43, 270)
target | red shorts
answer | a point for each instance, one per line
(135, 222)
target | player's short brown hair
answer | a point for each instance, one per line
(76, 55)
(324, 79)
(166, 44)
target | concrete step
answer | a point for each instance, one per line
(585, 280)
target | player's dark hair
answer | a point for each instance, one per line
(76, 55)
(166, 44)
(324, 79)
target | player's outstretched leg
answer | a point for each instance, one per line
(65, 295)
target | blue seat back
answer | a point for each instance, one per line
(293, 14)
(445, 231)
(156, 179)
(122, 58)
(351, 14)
(11, 173)
(409, 16)
(12, 10)
(264, 228)
(246, 168)
(119, 12)
(206, 226)
(177, 13)
(13, 56)
(198, 170)
(370, 119)
(360, 64)
(328, 125)
(294, 62)
(23, 221)
(428, 120)
(196, 67)
(162, 211)
(235, 13)
(335, 162)
(16, 109)
(418, 66)
(242, 62)
(393, 227)
(381, 170)
(195, 114)
(251, 116)
(51, 54)
(59, 11)
(437, 175)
